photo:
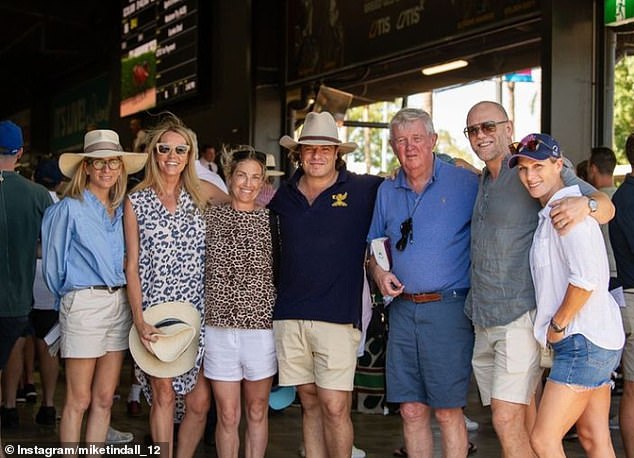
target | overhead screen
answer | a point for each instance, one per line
(159, 53)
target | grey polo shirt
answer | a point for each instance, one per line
(504, 220)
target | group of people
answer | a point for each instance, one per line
(488, 273)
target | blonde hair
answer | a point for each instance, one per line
(189, 177)
(78, 183)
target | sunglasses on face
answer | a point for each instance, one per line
(406, 234)
(487, 127)
(531, 145)
(167, 148)
(99, 164)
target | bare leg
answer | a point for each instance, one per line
(335, 414)
(419, 441)
(509, 422)
(104, 384)
(162, 413)
(49, 371)
(79, 376)
(256, 396)
(227, 396)
(453, 431)
(558, 410)
(626, 418)
(12, 373)
(592, 426)
(312, 424)
(193, 425)
(29, 359)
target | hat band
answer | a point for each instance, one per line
(108, 146)
(319, 137)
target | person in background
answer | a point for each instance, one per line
(268, 188)
(582, 170)
(601, 167)
(22, 207)
(430, 340)
(239, 298)
(208, 158)
(82, 263)
(165, 247)
(324, 215)
(501, 302)
(576, 315)
(622, 240)
(44, 316)
(139, 135)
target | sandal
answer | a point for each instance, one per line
(400, 452)
(472, 448)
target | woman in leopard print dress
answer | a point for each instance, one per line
(239, 298)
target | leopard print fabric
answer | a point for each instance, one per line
(239, 290)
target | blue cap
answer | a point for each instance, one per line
(536, 146)
(281, 397)
(10, 138)
(47, 173)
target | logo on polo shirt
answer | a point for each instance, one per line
(339, 200)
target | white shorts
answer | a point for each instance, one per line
(234, 354)
(93, 322)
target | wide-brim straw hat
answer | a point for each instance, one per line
(319, 129)
(101, 143)
(271, 170)
(175, 350)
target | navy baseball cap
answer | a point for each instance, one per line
(10, 138)
(535, 146)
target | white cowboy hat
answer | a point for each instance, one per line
(176, 347)
(270, 167)
(319, 129)
(101, 143)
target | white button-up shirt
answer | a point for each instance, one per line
(579, 259)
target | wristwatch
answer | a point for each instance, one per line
(593, 204)
(555, 327)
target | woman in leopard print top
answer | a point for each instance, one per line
(239, 298)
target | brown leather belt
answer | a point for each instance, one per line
(421, 298)
(110, 289)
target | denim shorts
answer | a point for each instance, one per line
(577, 361)
(429, 349)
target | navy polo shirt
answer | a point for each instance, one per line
(323, 248)
(622, 232)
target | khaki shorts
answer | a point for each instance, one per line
(627, 360)
(316, 352)
(93, 322)
(506, 361)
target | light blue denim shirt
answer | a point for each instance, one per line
(82, 245)
(504, 219)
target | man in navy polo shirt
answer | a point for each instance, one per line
(426, 214)
(622, 238)
(325, 214)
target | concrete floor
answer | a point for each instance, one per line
(377, 434)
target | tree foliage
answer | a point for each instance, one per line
(623, 106)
